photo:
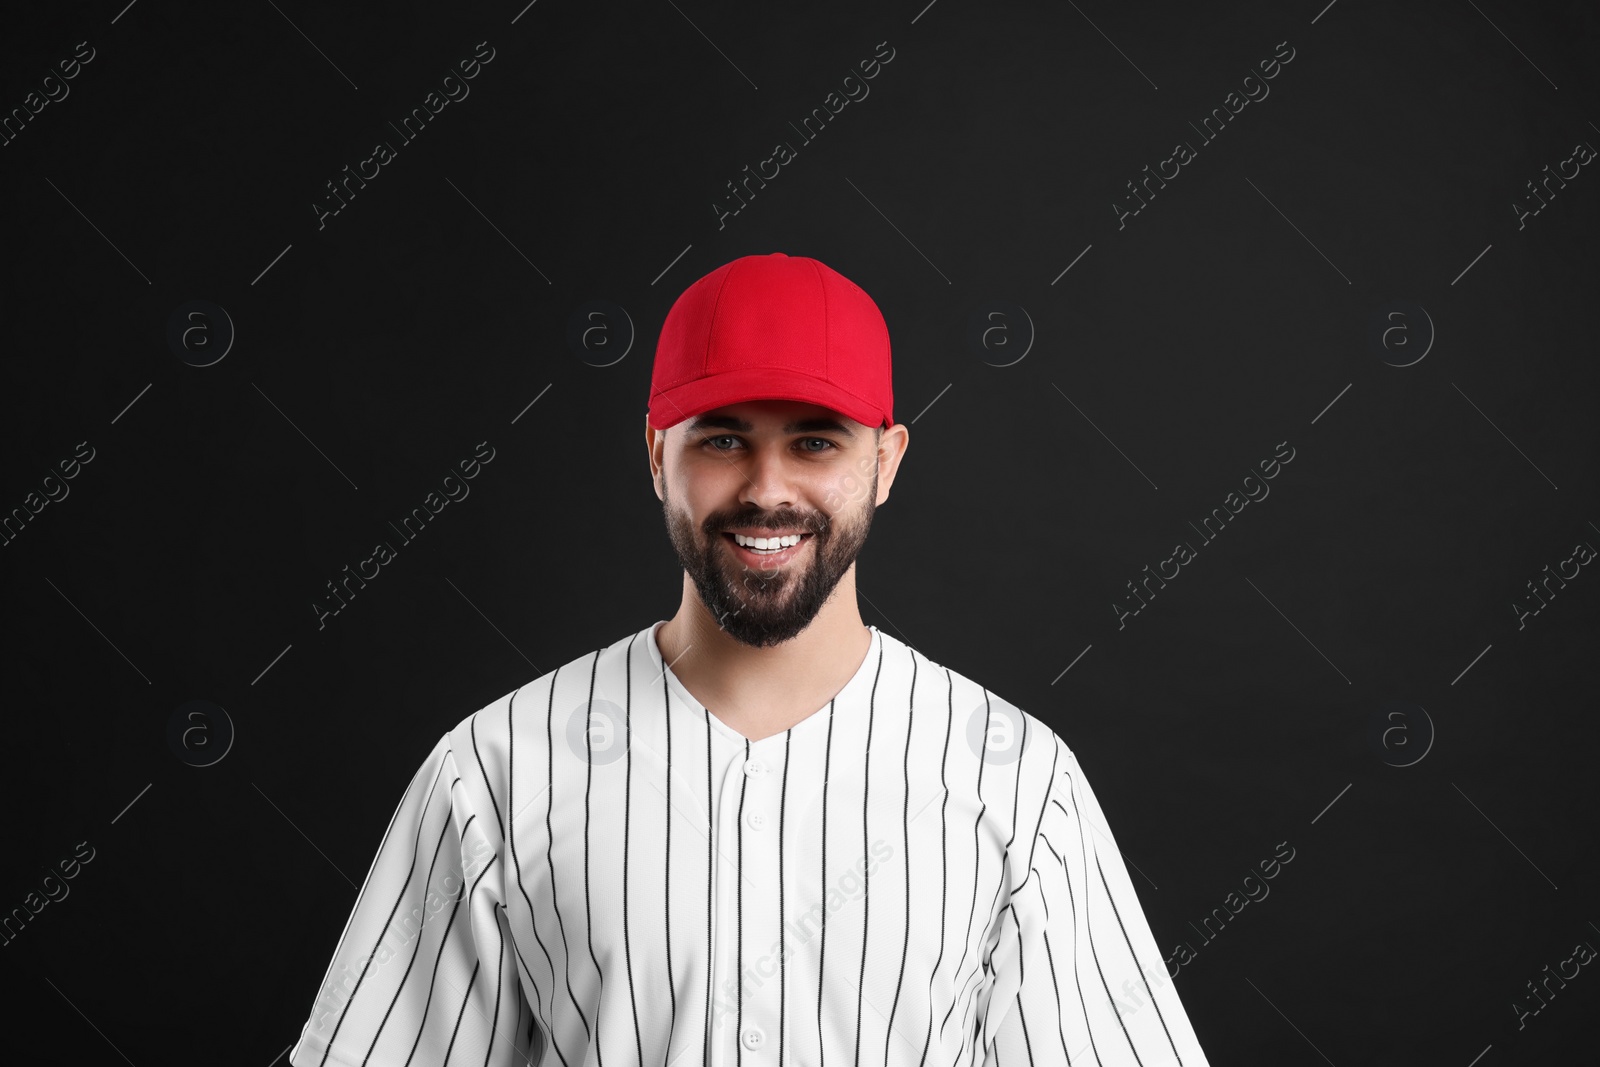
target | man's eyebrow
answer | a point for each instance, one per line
(731, 422)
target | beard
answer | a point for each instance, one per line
(758, 607)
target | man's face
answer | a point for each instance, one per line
(768, 468)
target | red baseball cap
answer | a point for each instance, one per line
(772, 327)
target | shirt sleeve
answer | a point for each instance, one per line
(425, 972)
(1077, 977)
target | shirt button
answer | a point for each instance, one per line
(754, 768)
(756, 820)
(753, 1037)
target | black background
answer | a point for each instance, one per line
(1235, 312)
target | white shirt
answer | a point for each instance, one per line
(916, 875)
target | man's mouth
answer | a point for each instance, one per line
(767, 550)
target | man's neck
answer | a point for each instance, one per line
(763, 691)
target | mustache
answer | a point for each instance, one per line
(780, 522)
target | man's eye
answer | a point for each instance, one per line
(806, 443)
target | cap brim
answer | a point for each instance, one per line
(673, 406)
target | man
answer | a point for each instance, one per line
(759, 832)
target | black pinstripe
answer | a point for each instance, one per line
(416, 944)
(944, 857)
(516, 864)
(905, 846)
(783, 927)
(866, 874)
(627, 829)
(666, 889)
(711, 878)
(822, 890)
(392, 912)
(1148, 992)
(433, 980)
(972, 909)
(588, 910)
(738, 915)
(550, 847)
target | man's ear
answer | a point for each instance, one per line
(892, 444)
(653, 438)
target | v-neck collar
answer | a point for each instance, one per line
(852, 692)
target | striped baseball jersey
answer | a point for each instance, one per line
(596, 870)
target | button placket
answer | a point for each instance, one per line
(726, 889)
(761, 893)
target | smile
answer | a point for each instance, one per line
(779, 552)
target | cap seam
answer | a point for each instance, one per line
(722, 287)
(827, 325)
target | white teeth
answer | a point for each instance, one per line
(767, 544)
